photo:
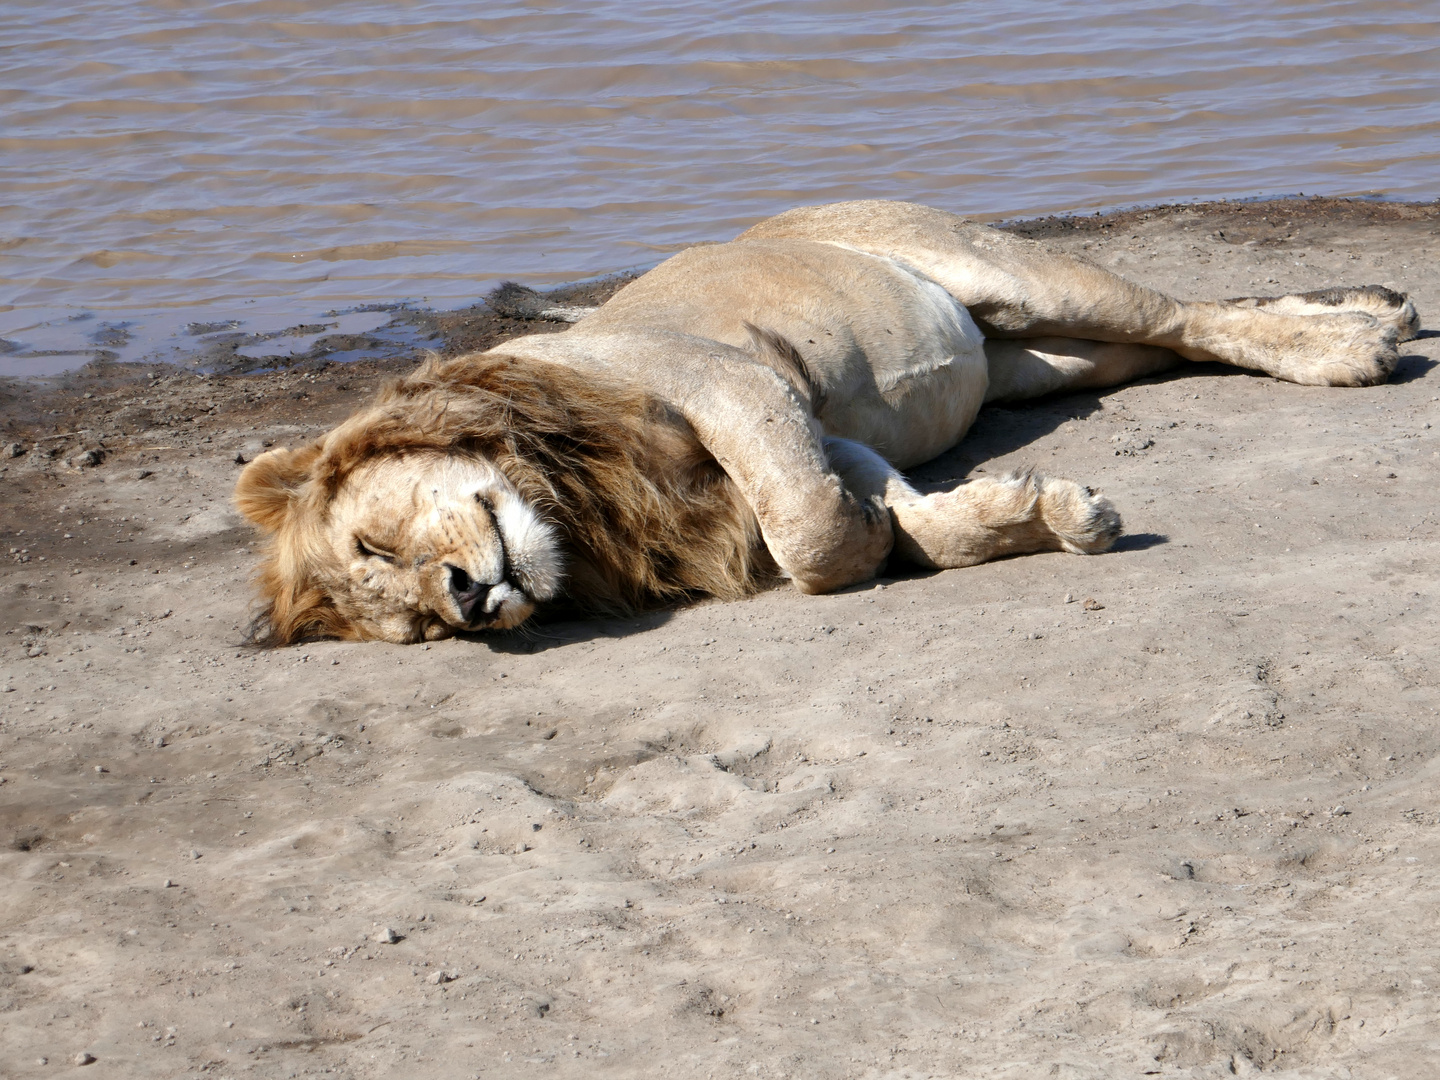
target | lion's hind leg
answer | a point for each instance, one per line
(1012, 515)
(983, 519)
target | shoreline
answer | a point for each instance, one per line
(382, 330)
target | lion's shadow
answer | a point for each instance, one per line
(1415, 366)
(1004, 429)
(568, 628)
(1000, 430)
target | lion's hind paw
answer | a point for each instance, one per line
(1007, 515)
(1393, 310)
(1083, 521)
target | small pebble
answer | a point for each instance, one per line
(101, 768)
(84, 1058)
(194, 854)
(1091, 604)
(440, 977)
(387, 936)
(42, 1061)
(169, 884)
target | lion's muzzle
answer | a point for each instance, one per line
(482, 605)
(469, 595)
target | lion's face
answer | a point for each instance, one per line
(427, 545)
(417, 546)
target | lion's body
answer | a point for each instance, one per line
(742, 409)
(900, 363)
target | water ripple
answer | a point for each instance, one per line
(294, 155)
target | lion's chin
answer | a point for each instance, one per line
(506, 619)
(438, 630)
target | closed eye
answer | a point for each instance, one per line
(369, 551)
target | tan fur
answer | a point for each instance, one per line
(743, 411)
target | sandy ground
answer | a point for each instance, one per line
(1170, 811)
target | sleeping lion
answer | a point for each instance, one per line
(743, 413)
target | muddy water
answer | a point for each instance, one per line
(173, 166)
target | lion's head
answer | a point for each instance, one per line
(408, 546)
(479, 488)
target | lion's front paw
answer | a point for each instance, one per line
(1083, 520)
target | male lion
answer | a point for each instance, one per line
(743, 412)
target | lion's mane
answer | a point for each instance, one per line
(646, 515)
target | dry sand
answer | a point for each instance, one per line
(1170, 811)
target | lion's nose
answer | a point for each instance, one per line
(469, 595)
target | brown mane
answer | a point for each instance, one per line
(647, 517)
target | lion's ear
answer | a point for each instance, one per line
(271, 483)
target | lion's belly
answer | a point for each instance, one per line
(916, 396)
